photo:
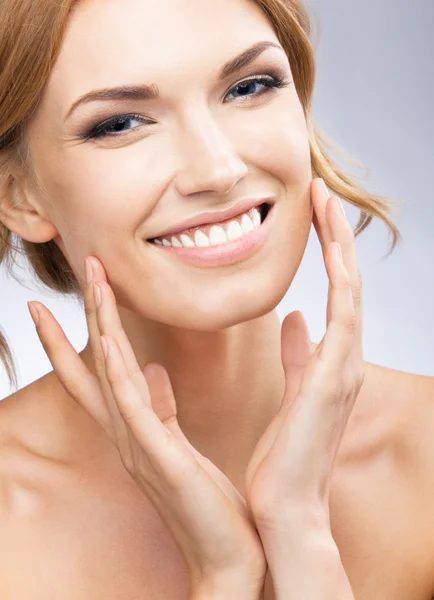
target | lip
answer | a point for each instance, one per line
(230, 253)
(217, 217)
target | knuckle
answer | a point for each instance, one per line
(88, 301)
(349, 323)
(358, 287)
(117, 381)
(346, 283)
(98, 362)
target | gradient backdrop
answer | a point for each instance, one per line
(374, 97)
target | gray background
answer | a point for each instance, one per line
(374, 97)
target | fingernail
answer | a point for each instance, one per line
(97, 294)
(325, 187)
(89, 271)
(34, 312)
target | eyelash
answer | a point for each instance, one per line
(270, 83)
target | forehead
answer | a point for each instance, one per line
(115, 42)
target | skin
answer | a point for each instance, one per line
(228, 339)
(216, 152)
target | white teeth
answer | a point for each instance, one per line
(186, 241)
(247, 224)
(217, 234)
(234, 230)
(176, 242)
(201, 239)
(256, 218)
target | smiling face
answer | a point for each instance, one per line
(202, 145)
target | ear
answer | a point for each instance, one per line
(22, 212)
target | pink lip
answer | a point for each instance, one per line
(224, 254)
(216, 217)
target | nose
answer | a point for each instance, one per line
(211, 163)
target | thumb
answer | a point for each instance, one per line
(164, 405)
(296, 350)
(163, 400)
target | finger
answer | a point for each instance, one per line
(163, 400)
(296, 350)
(320, 196)
(161, 397)
(332, 226)
(339, 337)
(120, 433)
(342, 232)
(341, 327)
(163, 453)
(164, 406)
(75, 377)
(109, 322)
(314, 424)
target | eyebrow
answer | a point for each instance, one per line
(151, 92)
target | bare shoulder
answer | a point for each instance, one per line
(37, 476)
(397, 409)
(23, 484)
(383, 485)
(414, 437)
(412, 459)
(73, 524)
(408, 400)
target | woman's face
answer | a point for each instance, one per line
(204, 144)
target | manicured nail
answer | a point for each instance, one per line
(34, 312)
(97, 294)
(89, 271)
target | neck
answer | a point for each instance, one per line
(228, 384)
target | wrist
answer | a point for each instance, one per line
(233, 587)
(220, 593)
(310, 569)
(300, 533)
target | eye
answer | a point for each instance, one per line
(101, 130)
(268, 83)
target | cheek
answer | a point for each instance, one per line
(98, 194)
(280, 144)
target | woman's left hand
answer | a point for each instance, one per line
(288, 476)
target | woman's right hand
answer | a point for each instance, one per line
(206, 515)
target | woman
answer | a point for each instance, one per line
(214, 453)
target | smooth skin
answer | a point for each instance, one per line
(72, 372)
(218, 543)
(72, 517)
(287, 474)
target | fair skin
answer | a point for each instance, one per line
(226, 337)
(208, 160)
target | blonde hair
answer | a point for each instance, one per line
(31, 34)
